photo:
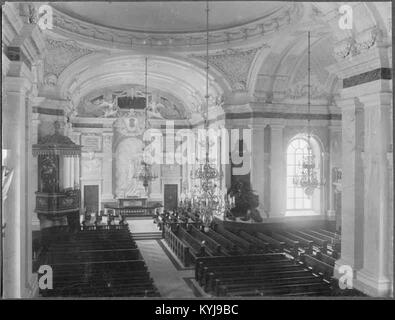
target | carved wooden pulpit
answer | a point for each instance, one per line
(57, 199)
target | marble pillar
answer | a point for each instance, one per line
(107, 194)
(352, 184)
(66, 172)
(34, 172)
(77, 172)
(257, 163)
(71, 159)
(373, 277)
(17, 244)
(277, 174)
(334, 155)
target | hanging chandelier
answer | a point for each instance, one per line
(206, 197)
(145, 174)
(307, 177)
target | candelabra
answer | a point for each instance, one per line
(307, 178)
(145, 174)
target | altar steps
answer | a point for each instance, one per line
(147, 235)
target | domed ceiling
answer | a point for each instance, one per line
(159, 17)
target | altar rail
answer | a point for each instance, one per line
(104, 227)
(133, 211)
(178, 247)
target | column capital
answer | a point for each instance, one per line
(29, 43)
(17, 85)
(258, 123)
(335, 128)
(376, 99)
(277, 124)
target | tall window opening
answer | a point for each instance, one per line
(298, 203)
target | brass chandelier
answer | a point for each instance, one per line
(145, 174)
(307, 177)
(206, 197)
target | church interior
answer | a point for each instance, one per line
(197, 149)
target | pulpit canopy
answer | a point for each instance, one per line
(56, 144)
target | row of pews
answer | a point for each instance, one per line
(97, 262)
(268, 274)
(307, 256)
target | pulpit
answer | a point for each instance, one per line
(58, 197)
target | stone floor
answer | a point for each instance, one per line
(171, 280)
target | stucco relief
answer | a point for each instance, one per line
(60, 55)
(91, 168)
(300, 89)
(265, 25)
(353, 47)
(234, 64)
(127, 163)
(125, 101)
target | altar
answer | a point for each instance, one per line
(132, 207)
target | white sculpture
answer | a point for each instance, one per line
(6, 182)
(153, 110)
(111, 108)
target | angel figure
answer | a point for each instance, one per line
(153, 110)
(71, 111)
(111, 108)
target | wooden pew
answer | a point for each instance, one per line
(322, 244)
(306, 244)
(278, 245)
(291, 243)
(215, 248)
(232, 260)
(227, 244)
(177, 246)
(196, 248)
(259, 243)
(319, 267)
(240, 242)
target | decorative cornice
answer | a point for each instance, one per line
(47, 111)
(272, 115)
(280, 115)
(87, 125)
(82, 30)
(377, 74)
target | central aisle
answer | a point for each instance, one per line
(171, 282)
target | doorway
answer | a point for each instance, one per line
(170, 196)
(91, 198)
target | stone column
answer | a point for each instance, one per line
(257, 162)
(34, 172)
(366, 227)
(76, 138)
(107, 194)
(16, 216)
(334, 145)
(373, 277)
(277, 175)
(77, 172)
(352, 184)
(66, 172)
(71, 160)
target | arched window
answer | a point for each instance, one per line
(298, 203)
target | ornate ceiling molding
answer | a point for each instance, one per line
(353, 46)
(127, 39)
(59, 56)
(234, 64)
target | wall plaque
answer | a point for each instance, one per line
(91, 143)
